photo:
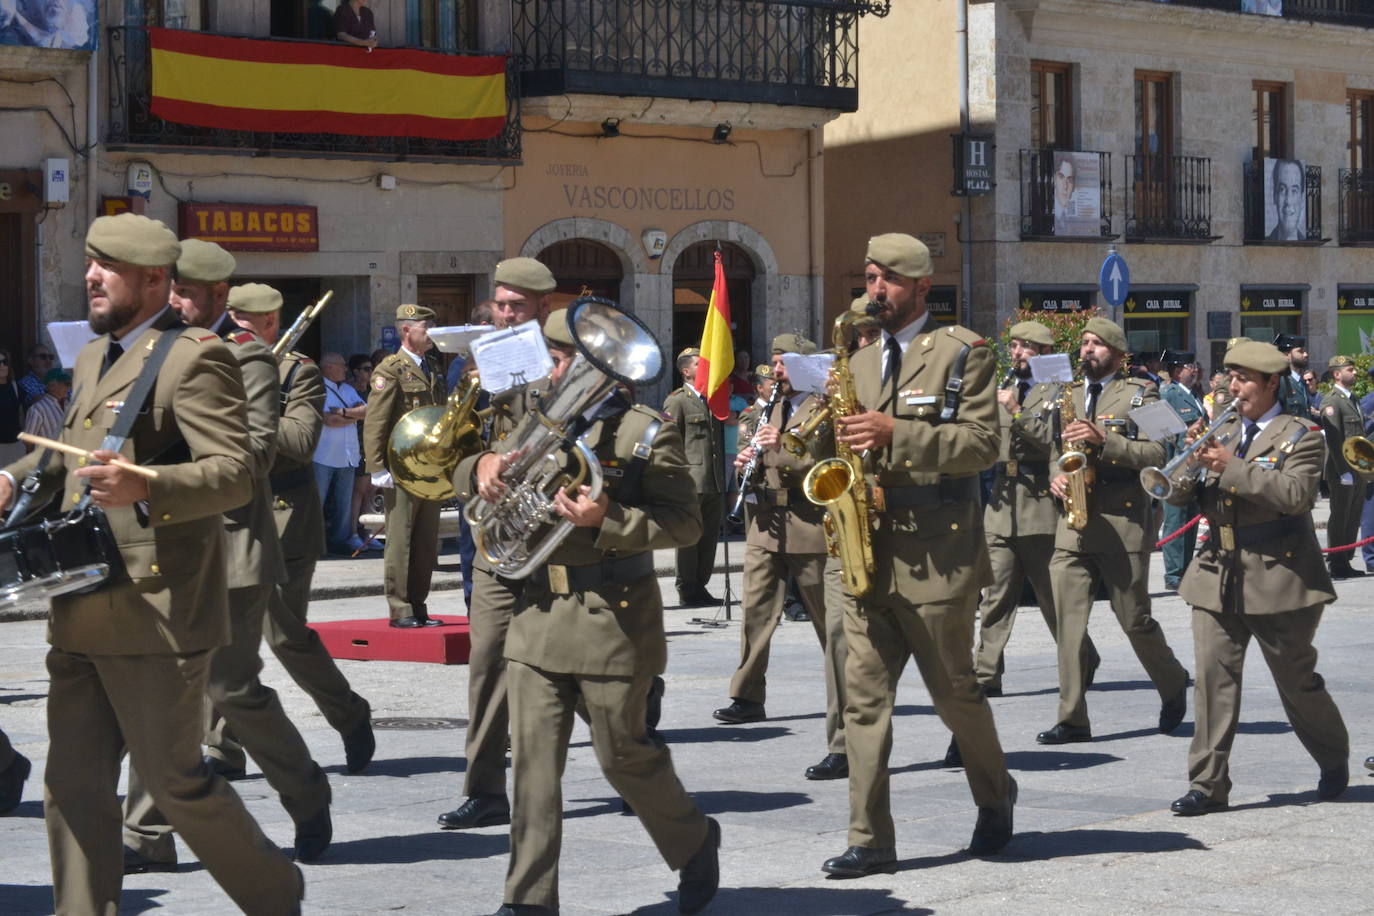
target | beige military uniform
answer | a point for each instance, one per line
(599, 637)
(1260, 574)
(129, 663)
(785, 537)
(1114, 550)
(399, 386)
(1340, 420)
(702, 437)
(931, 560)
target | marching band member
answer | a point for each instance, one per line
(1341, 419)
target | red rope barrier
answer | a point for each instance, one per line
(1203, 540)
(1183, 530)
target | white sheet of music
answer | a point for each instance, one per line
(1051, 367)
(1158, 420)
(68, 337)
(454, 338)
(809, 372)
(511, 357)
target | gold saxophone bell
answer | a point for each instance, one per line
(1358, 452)
(428, 442)
(1078, 465)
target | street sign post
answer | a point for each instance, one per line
(1115, 279)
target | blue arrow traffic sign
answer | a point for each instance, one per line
(1114, 280)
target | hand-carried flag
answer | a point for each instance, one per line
(717, 349)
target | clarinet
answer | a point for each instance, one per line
(747, 477)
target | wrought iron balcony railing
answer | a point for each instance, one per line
(1355, 207)
(785, 52)
(133, 125)
(1170, 198)
(1283, 209)
(1066, 195)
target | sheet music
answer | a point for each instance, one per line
(1051, 367)
(68, 337)
(1158, 420)
(810, 372)
(459, 337)
(511, 357)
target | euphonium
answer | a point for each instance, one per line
(428, 442)
(838, 483)
(1078, 465)
(519, 531)
(1358, 452)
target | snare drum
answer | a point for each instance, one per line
(74, 553)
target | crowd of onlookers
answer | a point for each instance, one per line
(346, 490)
(34, 402)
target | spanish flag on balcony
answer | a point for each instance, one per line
(289, 87)
(717, 350)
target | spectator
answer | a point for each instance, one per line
(363, 491)
(31, 385)
(46, 414)
(353, 23)
(739, 377)
(11, 413)
(336, 456)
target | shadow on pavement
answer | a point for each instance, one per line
(1048, 691)
(30, 898)
(1045, 761)
(1065, 843)
(21, 697)
(29, 808)
(1353, 795)
(435, 845)
(739, 734)
(799, 901)
(918, 767)
(731, 802)
(1108, 686)
(409, 766)
(907, 709)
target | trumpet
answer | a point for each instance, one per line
(300, 326)
(1161, 482)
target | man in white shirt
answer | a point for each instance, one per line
(336, 457)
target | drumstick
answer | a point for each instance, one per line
(43, 442)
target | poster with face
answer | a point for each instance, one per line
(1077, 184)
(67, 24)
(1285, 200)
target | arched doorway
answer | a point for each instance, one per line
(694, 274)
(583, 268)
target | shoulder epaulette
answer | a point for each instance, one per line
(242, 337)
(965, 336)
(204, 337)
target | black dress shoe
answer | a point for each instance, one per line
(12, 782)
(1332, 782)
(359, 746)
(1345, 571)
(700, 878)
(991, 690)
(859, 861)
(1065, 734)
(315, 833)
(953, 757)
(994, 828)
(225, 770)
(136, 863)
(739, 712)
(477, 811)
(407, 623)
(1172, 710)
(833, 766)
(700, 598)
(795, 611)
(1171, 583)
(524, 909)
(1194, 803)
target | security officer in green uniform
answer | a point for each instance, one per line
(1260, 576)
(200, 294)
(129, 662)
(928, 422)
(703, 437)
(1340, 420)
(1178, 394)
(405, 380)
(590, 631)
(1114, 547)
(300, 527)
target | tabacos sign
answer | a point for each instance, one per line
(252, 227)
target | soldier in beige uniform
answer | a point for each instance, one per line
(786, 538)
(405, 380)
(1114, 547)
(523, 288)
(927, 437)
(702, 437)
(252, 710)
(590, 630)
(1259, 575)
(1340, 420)
(129, 661)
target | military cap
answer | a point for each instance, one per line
(257, 298)
(793, 343)
(764, 371)
(204, 262)
(1256, 355)
(132, 239)
(556, 330)
(1339, 362)
(525, 273)
(900, 253)
(1178, 358)
(414, 313)
(690, 351)
(56, 375)
(1109, 331)
(1286, 342)
(1032, 332)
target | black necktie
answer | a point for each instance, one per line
(1251, 430)
(786, 412)
(893, 367)
(1021, 389)
(112, 355)
(1093, 391)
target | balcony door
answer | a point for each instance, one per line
(1152, 176)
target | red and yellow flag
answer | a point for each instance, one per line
(717, 349)
(289, 87)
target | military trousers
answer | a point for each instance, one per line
(494, 600)
(1015, 559)
(1075, 577)
(1178, 553)
(1343, 527)
(411, 551)
(696, 562)
(882, 635)
(639, 769)
(823, 596)
(153, 706)
(7, 752)
(1285, 641)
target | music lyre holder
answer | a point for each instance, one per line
(729, 595)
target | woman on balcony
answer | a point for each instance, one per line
(353, 23)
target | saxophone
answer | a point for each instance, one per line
(838, 483)
(1078, 465)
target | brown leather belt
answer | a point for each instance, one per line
(1016, 468)
(564, 580)
(1231, 538)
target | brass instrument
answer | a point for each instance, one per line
(838, 483)
(794, 441)
(1358, 452)
(293, 334)
(428, 442)
(751, 468)
(1161, 482)
(1078, 464)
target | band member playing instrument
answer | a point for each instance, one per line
(1340, 419)
(1259, 575)
(1178, 394)
(1113, 547)
(927, 437)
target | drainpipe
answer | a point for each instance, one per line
(966, 204)
(92, 129)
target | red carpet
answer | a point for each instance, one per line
(378, 641)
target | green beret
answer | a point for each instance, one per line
(56, 375)
(414, 313)
(1109, 331)
(132, 239)
(525, 273)
(764, 371)
(1032, 332)
(204, 262)
(900, 253)
(690, 351)
(1339, 362)
(1256, 355)
(793, 343)
(556, 328)
(257, 298)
